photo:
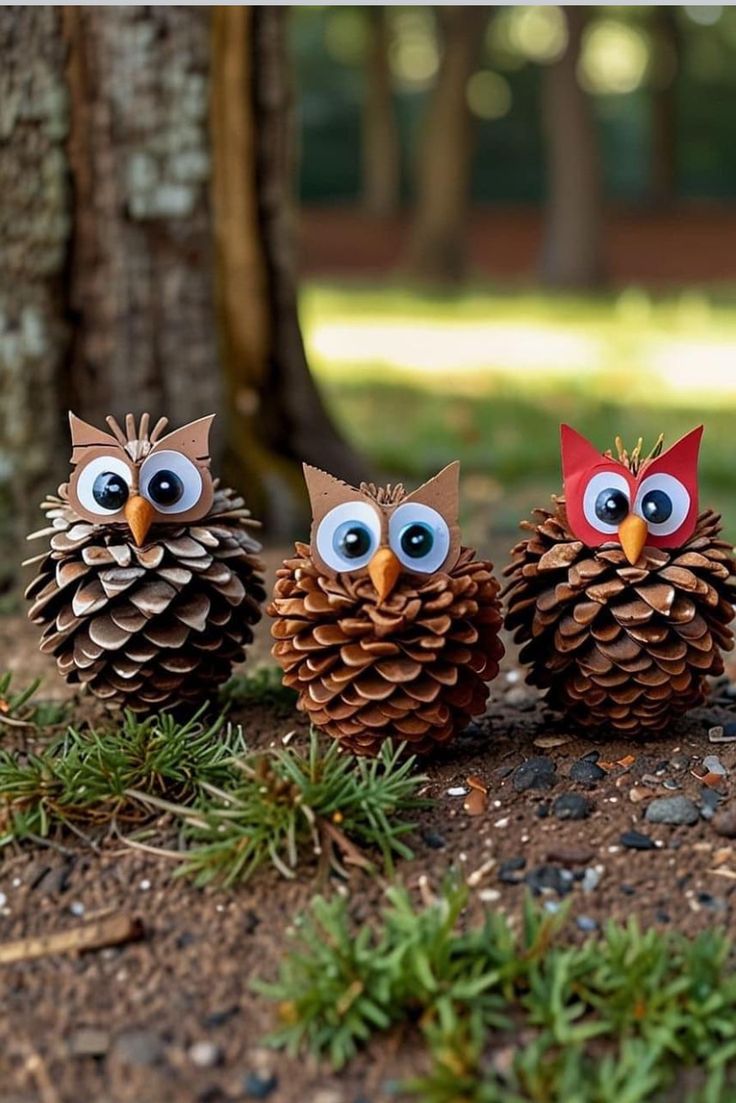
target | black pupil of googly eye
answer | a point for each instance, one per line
(417, 540)
(165, 488)
(352, 540)
(611, 506)
(110, 490)
(656, 507)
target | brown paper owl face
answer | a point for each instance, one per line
(384, 534)
(137, 479)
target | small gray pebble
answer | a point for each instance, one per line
(675, 811)
(713, 765)
(572, 806)
(205, 1055)
(257, 1086)
(138, 1047)
(635, 840)
(586, 923)
(536, 773)
(591, 879)
(586, 772)
(88, 1041)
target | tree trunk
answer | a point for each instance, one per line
(437, 250)
(146, 243)
(277, 418)
(140, 284)
(381, 149)
(34, 227)
(666, 63)
(572, 251)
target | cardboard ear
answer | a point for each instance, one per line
(441, 493)
(87, 436)
(681, 459)
(578, 454)
(192, 439)
(325, 491)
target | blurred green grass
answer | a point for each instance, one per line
(417, 379)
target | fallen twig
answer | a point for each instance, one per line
(113, 930)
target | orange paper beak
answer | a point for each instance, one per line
(138, 514)
(633, 532)
(384, 570)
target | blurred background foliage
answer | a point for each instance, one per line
(628, 57)
(376, 238)
(484, 360)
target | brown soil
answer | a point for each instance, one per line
(685, 244)
(188, 980)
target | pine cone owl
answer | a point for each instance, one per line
(152, 583)
(622, 595)
(385, 624)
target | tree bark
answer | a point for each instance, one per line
(667, 50)
(572, 251)
(34, 228)
(381, 149)
(139, 272)
(437, 250)
(147, 246)
(276, 416)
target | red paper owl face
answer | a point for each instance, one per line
(656, 505)
(384, 533)
(139, 479)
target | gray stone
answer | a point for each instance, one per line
(204, 1054)
(586, 772)
(724, 822)
(675, 811)
(572, 806)
(536, 773)
(88, 1041)
(139, 1047)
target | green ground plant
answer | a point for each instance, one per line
(511, 1017)
(22, 708)
(235, 809)
(285, 805)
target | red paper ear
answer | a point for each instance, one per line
(681, 460)
(578, 454)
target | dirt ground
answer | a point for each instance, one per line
(172, 1017)
(689, 243)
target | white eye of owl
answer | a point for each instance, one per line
(348, 536)
(606, 501)
(104, 485)
(170, 482)
(663, 502)
(419, 536)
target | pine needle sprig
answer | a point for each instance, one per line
(23, 709)
(286, 805)
(97, 775)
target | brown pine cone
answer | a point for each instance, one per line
(413, 667)
(620, 646)
(152, 625)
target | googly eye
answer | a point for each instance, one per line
(606, 501)
(103, 486)
(419, 536)
(348, 536)
(170, 482)
(663, 502)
